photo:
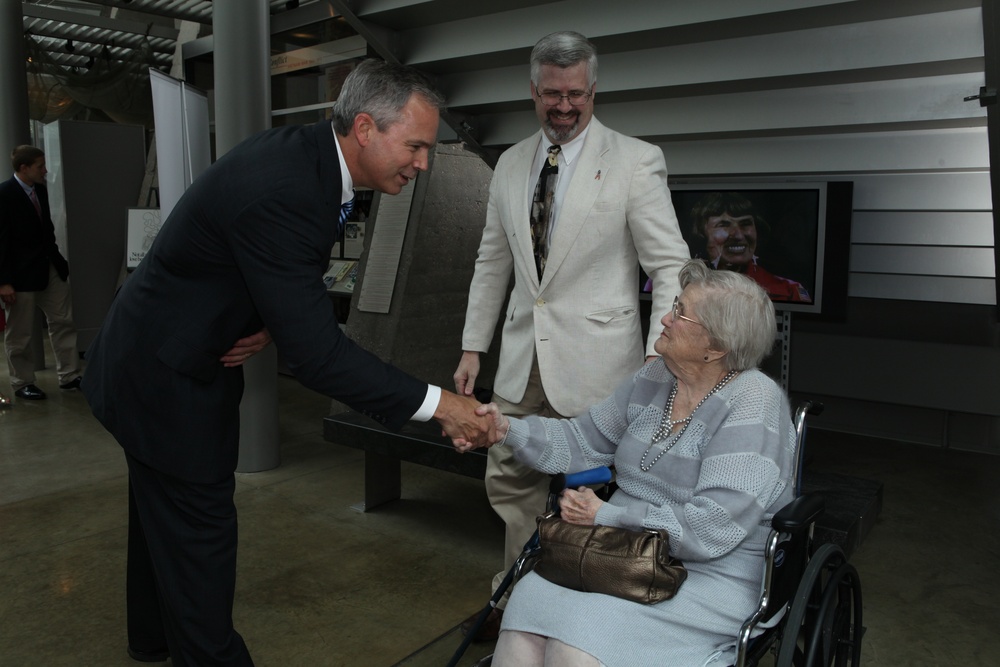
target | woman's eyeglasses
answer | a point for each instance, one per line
(680, 316)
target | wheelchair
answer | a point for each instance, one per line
(809, 613)
(810, 605)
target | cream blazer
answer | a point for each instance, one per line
(582, 320)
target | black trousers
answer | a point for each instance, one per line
(182, 569)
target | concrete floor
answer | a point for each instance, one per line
(321, 584)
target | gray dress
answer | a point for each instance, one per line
(715, 492)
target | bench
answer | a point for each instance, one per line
(416, 442)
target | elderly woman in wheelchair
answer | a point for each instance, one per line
(703, 446)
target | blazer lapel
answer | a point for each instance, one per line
(580, 197)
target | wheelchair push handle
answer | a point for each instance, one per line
(562, 481)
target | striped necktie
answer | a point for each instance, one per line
(345, 213)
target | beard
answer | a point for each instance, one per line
(562, 133)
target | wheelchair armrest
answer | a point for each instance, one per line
(560, 481)
(799, 514)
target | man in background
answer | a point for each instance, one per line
(573, 211)
(33, 274)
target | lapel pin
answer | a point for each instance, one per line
(597, 177)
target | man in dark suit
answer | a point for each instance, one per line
(33, 274)
(244, 251)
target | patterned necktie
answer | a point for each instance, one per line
(345, 213)
(541, 208)
(34, 200)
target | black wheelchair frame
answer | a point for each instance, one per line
(810, 605)
(810, 610)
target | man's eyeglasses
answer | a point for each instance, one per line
(680, 316)
(576, 97)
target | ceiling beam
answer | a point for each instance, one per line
(54, 39)
(385, 42)
(204, 16)
(82, 49)
(99, 22)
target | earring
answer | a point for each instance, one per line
(706, 357)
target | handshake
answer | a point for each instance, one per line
(469, 423)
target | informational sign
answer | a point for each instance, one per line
(183, 147)
(143, 225)
(321, 54)
(354, 239)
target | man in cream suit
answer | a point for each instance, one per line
(572, 332)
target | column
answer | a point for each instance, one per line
(15, 126)
(241, 30)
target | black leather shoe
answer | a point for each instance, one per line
(490, 629)
(30, 392)
(148, 656)
(72, 384)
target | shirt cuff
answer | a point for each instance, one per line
(429, 406)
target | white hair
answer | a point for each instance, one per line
(736, 312)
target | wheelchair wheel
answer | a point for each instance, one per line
(823, 626)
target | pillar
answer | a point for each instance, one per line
(241, 30)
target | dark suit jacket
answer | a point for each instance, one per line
(27, 244)
(245, 247)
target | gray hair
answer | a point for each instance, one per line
(380, 89)
(735, 311)
(564, 49)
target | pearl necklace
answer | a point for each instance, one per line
(667, 423)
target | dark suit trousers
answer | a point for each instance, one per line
(182, 569)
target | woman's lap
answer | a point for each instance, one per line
(705, 615)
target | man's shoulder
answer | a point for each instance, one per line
(9, 190)
(273, 156)
(615, 138)
(516, 152)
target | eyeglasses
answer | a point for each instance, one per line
(576, 97)
(680, 316)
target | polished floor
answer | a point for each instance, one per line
(321, 584)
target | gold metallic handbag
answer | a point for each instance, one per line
(632, 564)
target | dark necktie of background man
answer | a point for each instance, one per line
(34, 200)
(541, 208)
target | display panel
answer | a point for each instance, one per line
(776, 233)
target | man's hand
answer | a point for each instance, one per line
(468, 371)
(245, 348)
(467, 429)
(7, 294)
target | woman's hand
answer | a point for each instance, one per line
(579, 506)
(500, 422)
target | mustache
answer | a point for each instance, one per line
(555, 112)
